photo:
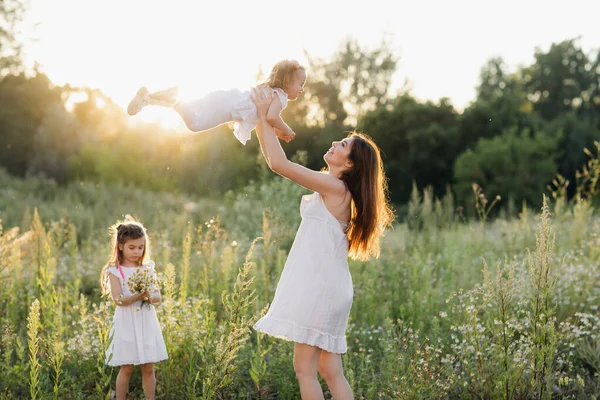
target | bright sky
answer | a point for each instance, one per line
(119, 45)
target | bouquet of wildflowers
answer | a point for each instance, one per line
(142, 281)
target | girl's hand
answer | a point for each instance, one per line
(138, 297)
(262, 102)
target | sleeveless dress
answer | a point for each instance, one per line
(136, 334)
(224, 106)
(314, 294)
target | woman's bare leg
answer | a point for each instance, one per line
(306, 362)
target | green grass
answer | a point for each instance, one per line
(506, 309)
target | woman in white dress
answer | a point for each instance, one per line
(136, 337)
(345, 216)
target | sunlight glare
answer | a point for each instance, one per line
(168, 118)
(118, 46)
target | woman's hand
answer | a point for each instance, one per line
(262, 102)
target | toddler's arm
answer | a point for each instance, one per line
(274, 119)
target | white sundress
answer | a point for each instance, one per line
(224, 106)
(314, 294)
(136, 334)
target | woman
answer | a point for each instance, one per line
(345, 216)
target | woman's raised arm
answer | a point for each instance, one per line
(277, 160)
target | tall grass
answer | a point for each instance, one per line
(446, 312)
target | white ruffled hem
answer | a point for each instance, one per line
(243, 130)
(288, 330)
(118, 363)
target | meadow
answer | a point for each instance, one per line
(456, 307)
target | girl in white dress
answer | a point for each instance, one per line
(345, 216)
(286, 81)
(136, 337)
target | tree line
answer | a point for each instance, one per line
(524, 128)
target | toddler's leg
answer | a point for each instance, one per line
(143, 98)
(168, 95)
(203, 114)
(138, 102)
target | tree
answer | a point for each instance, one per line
(97, 112)
(23, 105)
(574, 133)
(591, 97)
(353, 82)
(560, 80)
(501, 102)
(58, 137)
(495, 81)
(11, 13)
(419, 142)
(515, 165)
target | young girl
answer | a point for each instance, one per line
(136, 337)
(345, 216)
(286, 81)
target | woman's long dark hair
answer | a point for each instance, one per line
(371, 210)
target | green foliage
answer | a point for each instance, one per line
(576, 73)
(121, 162)
(426, 321)
(513, 165)
(575, 133)
(418, 142)
(280, 198)
(353, 81)
(588, 178)
(93, 207)
(502, 102)
(33, 328)
(236, 303)
(24, 102)
(11, 14)
(70, 134)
